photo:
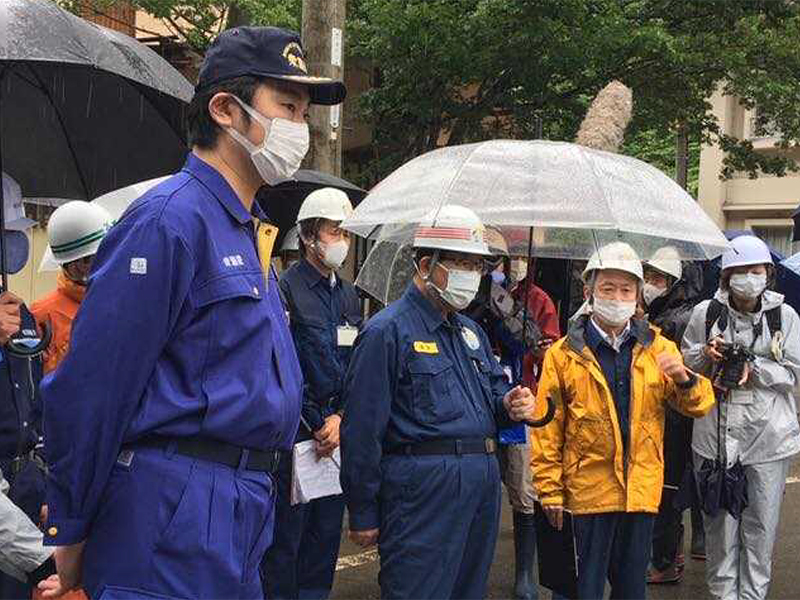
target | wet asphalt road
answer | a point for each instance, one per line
(357, 576)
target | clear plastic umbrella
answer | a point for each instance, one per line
(561, 199)
(577, 196)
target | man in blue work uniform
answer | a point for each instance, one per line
(324, 317)
(424, 399)
(182, 386)
(20, 408)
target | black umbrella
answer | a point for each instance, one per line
(281, 202)
(83, 110)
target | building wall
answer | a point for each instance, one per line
(765, 204)
(118, 15)
(29, 284)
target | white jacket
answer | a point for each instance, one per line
(759, 421)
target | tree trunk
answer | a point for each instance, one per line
(236, 16)
(682, 156)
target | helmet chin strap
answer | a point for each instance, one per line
(82, 282)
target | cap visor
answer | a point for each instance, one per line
(323, 90)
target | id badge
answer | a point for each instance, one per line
(346, 335)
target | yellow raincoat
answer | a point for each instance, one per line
(577, 459)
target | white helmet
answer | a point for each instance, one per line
(746, 250)
(617, 256)
(326, 203)
(76, 229)
(291, 241)
(667, 261)
(496, 242)
(452, 228)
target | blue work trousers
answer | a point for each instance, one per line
(439, 521)
(302, 559)
(170, 526)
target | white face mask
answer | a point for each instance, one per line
(462, 287)
(748, 285)
(335, 253)
(518, 269)
(285, 145)
(614, 312)
(650, 292)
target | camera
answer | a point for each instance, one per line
(731, 369)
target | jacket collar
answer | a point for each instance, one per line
(431, 316)
(576, 336)
(221, 190)
(311, 276)
(70, 289)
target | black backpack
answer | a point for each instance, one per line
(718, 313)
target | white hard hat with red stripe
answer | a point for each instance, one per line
(453, 228)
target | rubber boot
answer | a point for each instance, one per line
(525, 586)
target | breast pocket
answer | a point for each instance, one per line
(230, 309)
(436, 399)
(238, 286)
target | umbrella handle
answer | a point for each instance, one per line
(551, 412)
(22, 351)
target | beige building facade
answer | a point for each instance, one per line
(764, 205)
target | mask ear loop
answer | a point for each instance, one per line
(258, 118)
(426, 278)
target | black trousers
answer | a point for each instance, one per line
(667, 530)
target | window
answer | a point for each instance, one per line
(777, 233)
(762, 131)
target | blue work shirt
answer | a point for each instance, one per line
(180, 334)
(616, 367)
(20, 407)
(414, 377)
(316, 311)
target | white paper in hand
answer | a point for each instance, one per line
(313, 477)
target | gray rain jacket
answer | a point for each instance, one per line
(759, 421)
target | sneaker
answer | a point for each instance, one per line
(668, 575)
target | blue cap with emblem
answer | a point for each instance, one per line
(265, 52)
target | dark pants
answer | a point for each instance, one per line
(27, 490)
(169, 526)
(667, 530)
(302, 559)
(613, 546)
(439, 521)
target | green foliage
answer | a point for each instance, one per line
(200, 21)
(454, 71)
(658, 149)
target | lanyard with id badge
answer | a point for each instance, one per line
(346, 335)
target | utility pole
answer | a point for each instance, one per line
(323, 41)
